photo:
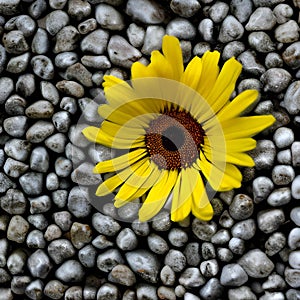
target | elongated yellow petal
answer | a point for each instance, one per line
(192, 73)
(120, 162)
(123, 130)
(158, 195)
(238, 105)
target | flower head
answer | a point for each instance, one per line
(179, 131)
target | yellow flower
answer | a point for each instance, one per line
(179, 132)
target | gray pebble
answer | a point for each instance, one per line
(208, 250)
(83, 175)
(294, 238)
(145, 11)
(108, 291)
(192, 254)
(59, 197)
(243, 291)
(295, 149)
(87, 256)
(14, 42)
(6, 293)
(101, 242)
(95, 42)
(37, 8)
(42, 67)
(204, 230)
(121, 53)
(220, 237)
(75, 154)
(32, 183)
(140, 228)
(270, 220)
(54, 289)
(40, 43)
(250, 63)
(39, 159)
(56, 142)
(275, 80)
(241, 207)
(57, 4)
(121, 274)
(176, 260)
(74, 292)
(241, 9)
(26, 24)
(291, 100)
(191, 278)
(280, 197)
(209, 268)
(89, 109)
(3, 58)
(81, 234)
(177, 237)
(144, 263)
(268, 3)
(283, 137)
(262, 187)
(5, 183)
(287, 32)
(292, 294)
(218, 11)
(76, 137)
(126, 240)
(161, 222)
(261, 19)
(283, 174)
(6, 88)
(26, 85)
(40, 109)
(39, 204)
(96, 62)
(18, 64)
(15, 126)
(3, 251)
(35, 239)
(283, 13)
(291, 54)
(226, 220)
(61, 121)
(166, 293)
(153, 39)
(261, 42)
(295, 215)
(39, 221)
(63, 220)
(167, 276)
(16, 262)
(52, 232)
(224, 254)
(233, 275)
(292, 277)
(274, 282)
(49, 92)
(66, 39)
(264, 154)
(275, 243)
(79, 73)
(56, 20)
(256, 264)
(71, 88)
(231, 30)
(244, 229)
(105, 225)
(273, 60)
(70, 271)
(87, 26)
(107, 260)
(212, 290)
(52, 182)
(185, 8)
(65, 59)
(39, 264)
(13, 202)
(157, 244)
(136, 35)
(181, 28)
(206, 30)
(109, 18)
(79, 9)
(19, 284)
(63, 166)
(61, 249)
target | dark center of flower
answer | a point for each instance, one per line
(174, 140)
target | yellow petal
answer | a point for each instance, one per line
(117, 130)
(120, 162)
(192, 73)
(158, 195)
(238, 105)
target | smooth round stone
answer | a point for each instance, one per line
(39, 160)
(66, 39)
(273, 60)
(26, 24)
(60, 249)
(287, 32)
(6, 88)
(39, 204)
(121, 53)
(167, 276)
(87, 26)
(107, 260)
(264, 154)
(233, 275)
(231, 30)
(244, 229)
(19, 283)
(294, 238)
(56, 142)
(14, 42)
(42, 67)
(56, 20)
(241, 9)
(89, 109)
(87, 256)
(83, 175)
(153, 39)
(63, 219)
(57, 4)
(74, 292)
(295, 149)
(71, 88)
(256, 264)
(220, 237)
(96, 62)
(65, 59)
(204, 230)
(181, 28)
(177, 237)
(101, 242)
(6, 292)
(176, 260)
(192, 254)
(157, 244)
(261, 42)
(136, 35)
(275, 243)
(262, 187)
(206, 29)
(283, 174)
(37, 8)
(127, 240)
(250, 63)
(63, 166)
(145, 11)
(209, 268)
(291, 54)
(191, 278)
(241, 207)
(76, 136)
(292, 277)
(241, 292)
(40, 43)
(161, 222)
(295, 215)
(32, 183)
(54, 289)
(26, 85)
(224, 254)
(274, 282)
(18, 64)
(105, 225)
(166, 293)
(283, 13)
(70, 271)
(79, 73)
(109, 18)
(212, 290)
(95, 42)
(292, 294)
(59, 197)
(283, 137)
(226, 220)
(122, 275)
(13, 202)
(280, 197)
(49, 92)
(62, 121)
(261, 19)
(75, 154)
(185, 8)
(52, 232)
(15, 126)
(39, 221)
(276, 80)
(41, 109)
(140, 228)
(108, 291)
(3, 252)
(218, 11)
(208, 250)
(270, 220)
(39, 264)
(186, 47)
(79, 9)
(16, 262)
(35, 239)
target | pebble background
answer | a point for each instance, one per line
(53, 243)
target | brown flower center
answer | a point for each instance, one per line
(174, 140)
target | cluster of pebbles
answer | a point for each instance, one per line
(53, 243)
